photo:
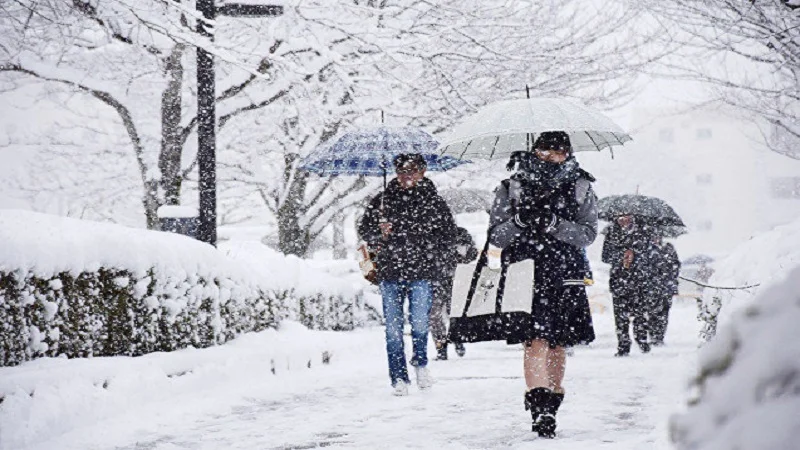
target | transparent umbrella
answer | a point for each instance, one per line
(499, 129)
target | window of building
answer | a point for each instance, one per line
(703, 134)
(785, 187)
(666, 135)
(704, 179)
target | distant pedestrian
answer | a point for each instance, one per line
(462, 251)
(408, 224)
(626, 248)
(666, 268)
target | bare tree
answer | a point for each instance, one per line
(288, 86)
(429, 65)
(747, 52)
(128, 64)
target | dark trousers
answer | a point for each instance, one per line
(625, 307)
(659, 317)
(440, 311)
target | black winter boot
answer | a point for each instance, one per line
(531, 405)
(441, 352)
(544, 405)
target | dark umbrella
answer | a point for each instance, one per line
(666, 231)
(670, 231)
(698, 259)
(653, 210)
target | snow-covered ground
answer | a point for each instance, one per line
(228, 398)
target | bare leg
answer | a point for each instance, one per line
(556, 366)
(535, 364)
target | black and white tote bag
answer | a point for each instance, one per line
(490, 304)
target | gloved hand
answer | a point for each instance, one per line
(537, 218)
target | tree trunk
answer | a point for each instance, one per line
(169, 161)
(151, 204)
(339, 248)
(292, 238)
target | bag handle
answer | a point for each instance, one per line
(476, 274)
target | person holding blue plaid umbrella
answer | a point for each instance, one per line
(408, 224)
(411, 227)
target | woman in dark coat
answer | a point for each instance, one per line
(547, 212)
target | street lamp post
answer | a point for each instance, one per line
(206, 109)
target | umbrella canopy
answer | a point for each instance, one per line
(667, 231)
(467, 200)
(651, 209)
(671, 231)
(698, 259)
(370, 152)
(501, 128)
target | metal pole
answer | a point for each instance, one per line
(207, 114)
(206, 130)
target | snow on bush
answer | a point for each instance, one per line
(78, 288)
(318, 299)
(747, 389)
(761, 260)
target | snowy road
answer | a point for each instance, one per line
(476, 403)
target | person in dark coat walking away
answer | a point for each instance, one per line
(463, 251)
(666, 268)
(408, 224)
(627, 248)
(547, 212)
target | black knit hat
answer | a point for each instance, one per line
(407, 159)
(553, 140)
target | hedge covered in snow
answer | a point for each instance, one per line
(322, 295)
(746, 394)
(78, 288)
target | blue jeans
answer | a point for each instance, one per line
(420, 297)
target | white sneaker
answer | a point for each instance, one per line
(424, 378)
(400, 389)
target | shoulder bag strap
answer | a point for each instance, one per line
(476, 275)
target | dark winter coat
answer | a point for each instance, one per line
(666, 268)
(641, 277)
(463, 251)
(423, 231)
(561, 312)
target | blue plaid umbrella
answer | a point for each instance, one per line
(371, 152)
